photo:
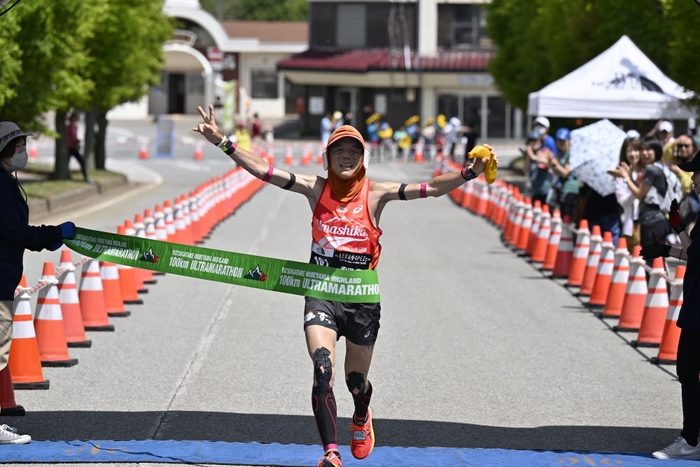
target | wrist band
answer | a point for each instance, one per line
(222, 142)
(468, 173)
(423, 187)
(229, 147)
(291, 182)
(268, 175)
(402, 194)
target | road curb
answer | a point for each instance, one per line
(90, 194)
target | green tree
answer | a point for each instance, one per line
(539, 42)
(10, 57)
(127, 57)
(52, 38)
(684, 44)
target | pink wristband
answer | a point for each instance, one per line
(268, 175)
(423, 187)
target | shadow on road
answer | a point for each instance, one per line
(294, 429)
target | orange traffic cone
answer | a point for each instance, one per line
(150, 223)
(668, 350)
(550, 256)
(565, 251)
(418, 156)
(289, 156)
(70, 304)
(92, 298)
(139, 231)
(140, 275)
(514, 233)
(534, 228)
(198, 151)
(655, 308)
(143, 154)
(169, 221)
(578, 261)
(33, 150)
(539, 249)
(194, 218)
(591, 270)
(524, 233)
(114, 302)
(8, 405)
(635, 296)
(127, 281)
(618, 282)
(319, 159)
(159, 217)
(24, 361)
(601, 285)
(48, 324)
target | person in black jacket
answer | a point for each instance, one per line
(688, 358)
(16, 235)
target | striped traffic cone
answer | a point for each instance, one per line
(92, 298)
(565, 252)
(114, 303)
(550, 255)
(601, 285)
(194, 218)
(127, 281)
(48, 324)
(618, 281)
(539, 249)
(534, 228)
(70, 304)
(580, 257)
(159, 217)
(524, 233)
(591, 270)
(635, 295)
(655, 308)
(145, 275)
(519, 214)
(24, 361)
(169, 221)
(668, 350)
(8, 405)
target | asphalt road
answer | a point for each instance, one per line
(476, 350)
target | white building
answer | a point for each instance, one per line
(205, 53)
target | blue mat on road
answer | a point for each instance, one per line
(256, 454)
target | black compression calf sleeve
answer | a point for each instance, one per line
(362, 402)
(326, 414)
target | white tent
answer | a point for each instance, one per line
(619, 83)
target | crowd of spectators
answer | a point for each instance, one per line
(647, 179)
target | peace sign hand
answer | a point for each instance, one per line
(209, 129)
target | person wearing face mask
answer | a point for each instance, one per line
(686, 446)
(346, 208)
(16, 235)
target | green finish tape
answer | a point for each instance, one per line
(341, 285)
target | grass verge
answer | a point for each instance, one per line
(35, 180)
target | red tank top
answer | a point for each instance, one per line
(343, 235)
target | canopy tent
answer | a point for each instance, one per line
(619, 83)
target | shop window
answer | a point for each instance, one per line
(351, 26)
(264, 84)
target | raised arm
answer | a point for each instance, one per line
(307, 185)
(437, 186)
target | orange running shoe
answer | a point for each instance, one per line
(330, 459)
(362, 437)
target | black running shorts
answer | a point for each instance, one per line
(358, 322)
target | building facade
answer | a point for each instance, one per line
(399, 59)
(208, 61)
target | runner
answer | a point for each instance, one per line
(346, 208)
